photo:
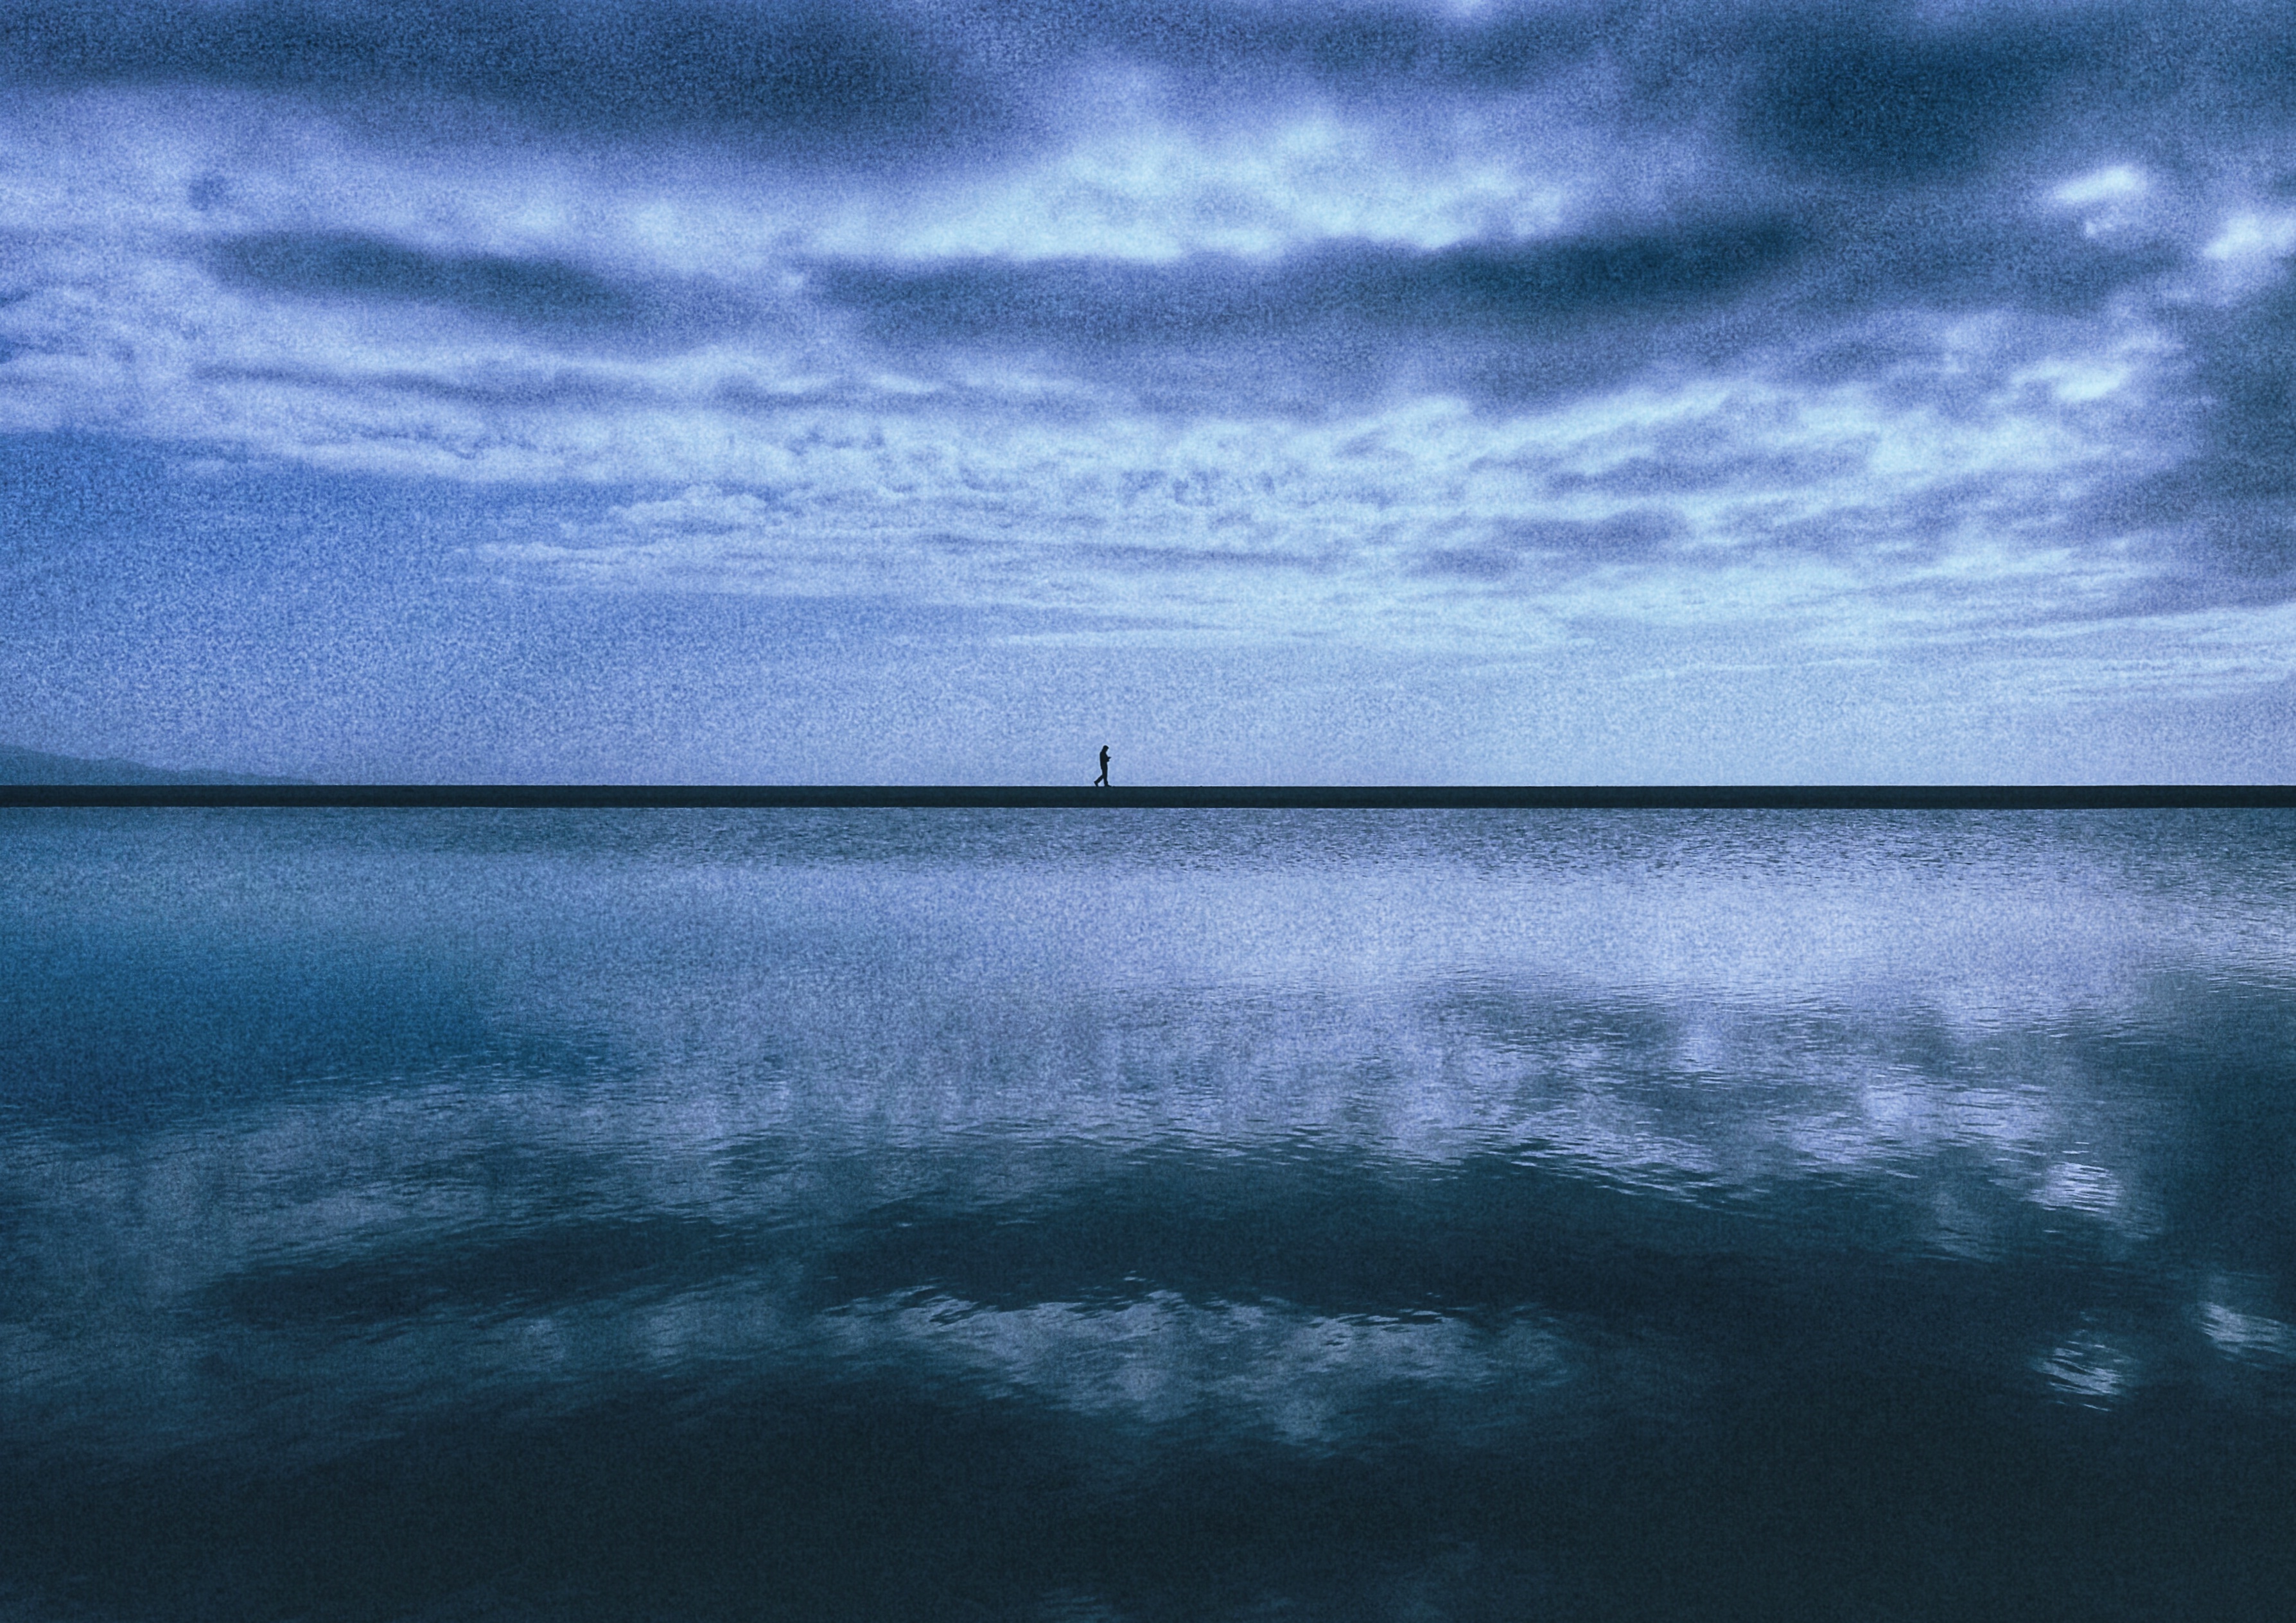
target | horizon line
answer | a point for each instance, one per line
(2122, 797)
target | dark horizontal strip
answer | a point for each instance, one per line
(1463, 797)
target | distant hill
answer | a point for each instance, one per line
(38, 766)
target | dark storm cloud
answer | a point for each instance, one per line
(1863, 91)
(1967, 252)
(1877, 93)
(1847, 93)
(1874, 93)
(813, 66)
(338, 265)
(1535, 287)
(549, 295)
(1375, 49)
(1502, 321)
(808, 72)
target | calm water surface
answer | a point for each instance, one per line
(1147, 1215)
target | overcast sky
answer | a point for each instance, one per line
(1274, 392)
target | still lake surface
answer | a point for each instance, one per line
(1147, 1215)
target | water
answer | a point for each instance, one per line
(1147, 1215)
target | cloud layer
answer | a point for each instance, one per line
(1935, 332)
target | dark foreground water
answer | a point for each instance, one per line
(1157, 1215)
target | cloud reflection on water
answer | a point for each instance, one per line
(1354, 1142)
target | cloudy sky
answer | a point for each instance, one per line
(934, 391)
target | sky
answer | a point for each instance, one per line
(933, 392)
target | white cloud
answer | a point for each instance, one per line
(2110, 199)
(2252, 236)
(2246, 252)
(2117, 183)
(1256, 524)
(1136, 187)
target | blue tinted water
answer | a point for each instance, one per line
(1146, 1213)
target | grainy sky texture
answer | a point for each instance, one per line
(1274, 392)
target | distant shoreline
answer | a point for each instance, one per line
(1465, 798)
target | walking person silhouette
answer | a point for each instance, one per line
(1102, 781)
